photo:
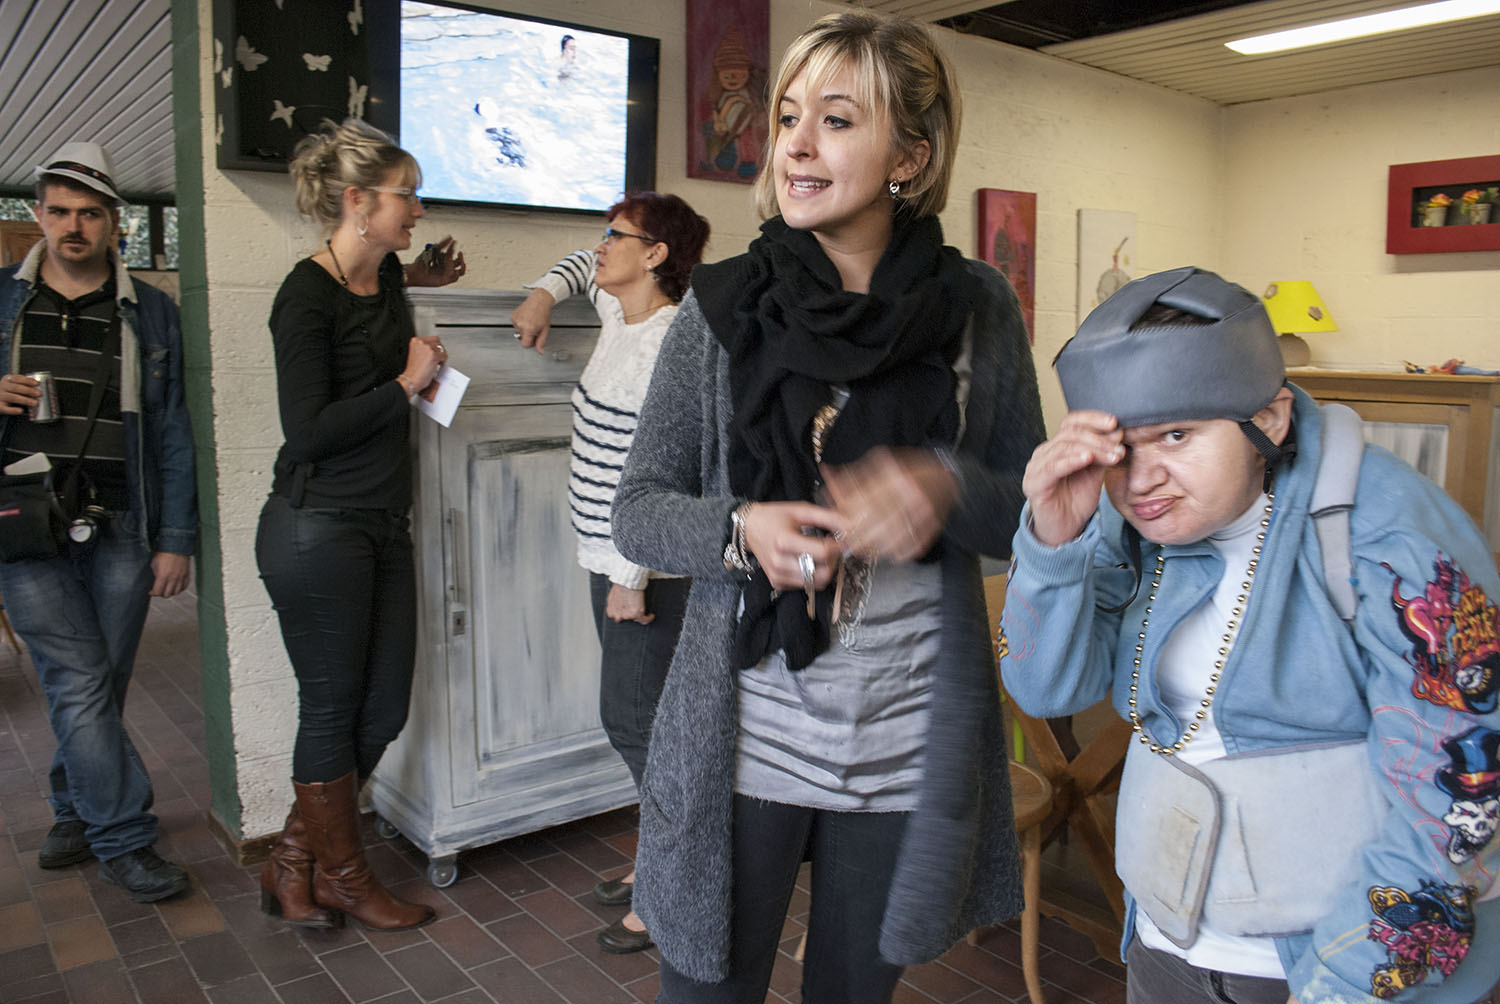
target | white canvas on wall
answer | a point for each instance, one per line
(1106, 250)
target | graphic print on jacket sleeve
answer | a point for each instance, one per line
(1421, 931)
(1472, 779)
(1455, 630)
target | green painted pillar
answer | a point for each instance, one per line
(187, 123)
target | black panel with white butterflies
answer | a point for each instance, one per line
(283, 66)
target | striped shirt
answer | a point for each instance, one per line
(64, 337)
(606, 406)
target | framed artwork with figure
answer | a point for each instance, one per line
(1107, 253)
(728, 60)
(1007, 240)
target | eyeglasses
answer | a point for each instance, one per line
(611, 235)
(409, 194)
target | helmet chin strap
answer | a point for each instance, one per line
(1272, 453)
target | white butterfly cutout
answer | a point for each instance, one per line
(218, 55)
(227, 75)
(317, 64)
(357, 93)
(356, 16)
(219, 131)
(246, 56)
(283, 112)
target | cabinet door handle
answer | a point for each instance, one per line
(458, 559)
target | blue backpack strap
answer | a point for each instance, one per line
(1343, 447)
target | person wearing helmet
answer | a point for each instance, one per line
(1308, 813)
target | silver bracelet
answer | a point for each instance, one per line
(737, 556)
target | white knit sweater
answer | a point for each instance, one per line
(606, 405)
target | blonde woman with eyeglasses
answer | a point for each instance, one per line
(333, 546)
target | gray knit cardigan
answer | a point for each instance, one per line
(958, 866)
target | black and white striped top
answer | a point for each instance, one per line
(606, 406)
(64, 337)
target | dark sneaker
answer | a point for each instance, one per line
(65, 845)
(144, 875)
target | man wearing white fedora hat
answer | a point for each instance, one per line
(112, 347)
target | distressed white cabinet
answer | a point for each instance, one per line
(504, 735)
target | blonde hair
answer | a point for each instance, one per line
(900, 73)
(338, 156)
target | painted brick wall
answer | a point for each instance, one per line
(1077, 137)
(1305, 198)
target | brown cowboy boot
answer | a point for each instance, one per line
(286, 880)
(341, 876)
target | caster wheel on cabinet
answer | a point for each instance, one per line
(386, 829)
(443, 872)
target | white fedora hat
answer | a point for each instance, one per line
(85, 163)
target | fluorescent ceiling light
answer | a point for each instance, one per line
(1367, 24)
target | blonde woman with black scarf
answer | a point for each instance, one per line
(836, 428)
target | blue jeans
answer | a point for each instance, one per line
(81, 615)
(634, 664)
(344, 587)
(853, 857)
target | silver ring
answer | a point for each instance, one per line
(517, 334)
(806, 565)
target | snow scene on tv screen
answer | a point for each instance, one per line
(498, 109)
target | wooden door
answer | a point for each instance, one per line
(16, 238)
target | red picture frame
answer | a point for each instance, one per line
(1007, 240)
(728, 62)
(1411, 183)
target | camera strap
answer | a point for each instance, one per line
(68, 493)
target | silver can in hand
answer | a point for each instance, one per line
(45, 410)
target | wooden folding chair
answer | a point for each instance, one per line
(1082, 778)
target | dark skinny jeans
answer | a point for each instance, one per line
(853, 857)
(634, 663)
(343, 585)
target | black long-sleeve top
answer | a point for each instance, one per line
(344, 415)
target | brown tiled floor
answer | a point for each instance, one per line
(517, 927)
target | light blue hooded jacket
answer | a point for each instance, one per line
(1416, 678)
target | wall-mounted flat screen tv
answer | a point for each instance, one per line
(511, 110)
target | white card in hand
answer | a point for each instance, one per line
(34, 464)
(440, 398)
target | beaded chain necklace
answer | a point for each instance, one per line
(1232, 629)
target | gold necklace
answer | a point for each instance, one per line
(641, 315)
(1241, 603)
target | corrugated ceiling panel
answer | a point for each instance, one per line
(88, 69)
(1189, 55)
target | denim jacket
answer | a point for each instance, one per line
(158, 438)
(1415, 678)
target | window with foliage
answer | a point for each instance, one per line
(139, 224)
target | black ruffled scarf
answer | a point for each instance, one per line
(792, 332)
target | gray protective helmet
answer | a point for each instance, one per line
(1229, 367)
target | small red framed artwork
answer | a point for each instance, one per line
(1413, 185)
(1007, 240)
(728, 59)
